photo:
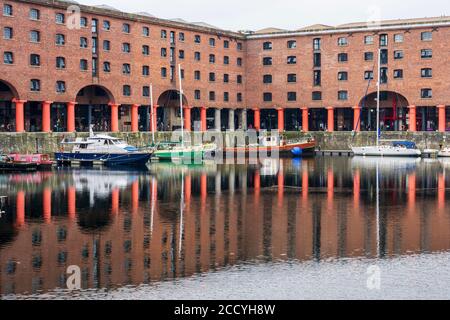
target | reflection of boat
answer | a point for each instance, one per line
(7, 164)
(390, 149)
(42, 160)
(104, 149)
(269, 144)
(175, 151)
(444, 153)
(445, 162)
(269, 167)
(392, 164)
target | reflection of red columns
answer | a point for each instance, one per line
(330, 124)
(203, 187)
(72, 202)
(280, 187)
(203, 126)
(47, 205)
(187, 118)
(20, 209)
(412, 189)
(330, 184)
(356, 188)
(305, 119)
(441, 191)
(412, 119)
(357, 118)
(153, 118)
(20, 120)
(280, 119)
(46, 126)
(305, 184)
(188, 188)
(115, 198)
(135, 196)
(135, 118)
(257, 178)
(114, 117)
(442, 118)
(257, 119)
(71, 116)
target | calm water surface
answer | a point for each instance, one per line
(288, 229)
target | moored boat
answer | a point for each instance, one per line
(390, 149)
(444, 153)
(9, 165)
(172, 151)
(42, 161)
(270, 144)
(103, 149)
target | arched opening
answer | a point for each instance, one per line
(393, 112)
(7, 108)
(169, 114)
(93, 109)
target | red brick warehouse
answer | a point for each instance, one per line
(68, 67)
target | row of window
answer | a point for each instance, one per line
(34, 14)
(343, 41)
(342, 95)
(343, 57)
(343, 75)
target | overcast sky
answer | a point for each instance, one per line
(285, 14)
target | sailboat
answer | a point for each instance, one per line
(389, 148)
(176, 151)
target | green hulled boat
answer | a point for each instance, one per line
(175, 151)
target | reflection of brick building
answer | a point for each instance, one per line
(55, 78)
(135, 237)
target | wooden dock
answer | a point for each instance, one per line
(334, 153)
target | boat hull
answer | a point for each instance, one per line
(17, 167)
(119, 159)
(164, 155)
(385, 152)
(444, 154)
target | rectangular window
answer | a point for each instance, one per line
(342, 41)
(197, 38)
(292, 78)
(427, 73)
(126, 28)
(212, 42)
(126, 48)
(426, 36)
(197, 56)
(163, 72)
(181, 36)
(239, 46)
(106, 45)
(317, 78)
(145, 50)
(292, 96)
(84, 42)
(342, 57)
(163, 34)
(317, 60)
(163, 52)
(427, 53)
(317, 44)
(172, 37)
(239, 97)
(368, 56)
(226, 60)
(384, 56)
(126, 68)
(7, 33)
(60, 86)
(212, 96)
(59, 17)
(267, 45)
(35, 85)
(267, 61)
(398, 38)
(126, 90)
(239, 62)
(226, 78)
(383, 75)
(383, 40)
(426, 94)
(197, 95)
(8, 57)
(145, 71)
(226, 97)
(267, 79)
(197, 75)
(60, 63)
(212, 58)
(212, 77)
(292, 44)
(35, 36)
(7, 10)
(83, 22)
(239, 79)
(35, 60)
(267, 96)
(83, 65)
(106, 67)
(342, 95)
(181, 54)
(146, 31)
(146, 91)
(226, 44)
(106, 25)
(317, 96)
(34, 14)
(368, 75)
(368, 40)
(292, 60)
(342, 76)
(398, 55)
(398, 74)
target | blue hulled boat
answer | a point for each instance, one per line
(103, 149)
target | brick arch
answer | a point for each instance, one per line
(170, 98)
(94, 94)
(4, 94)
(393, 97)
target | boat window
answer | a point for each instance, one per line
(83, 146)
(106, 142)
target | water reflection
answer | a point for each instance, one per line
(129, 228)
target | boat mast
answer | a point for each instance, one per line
(152, 115)
(181, 106)
(378, 97)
